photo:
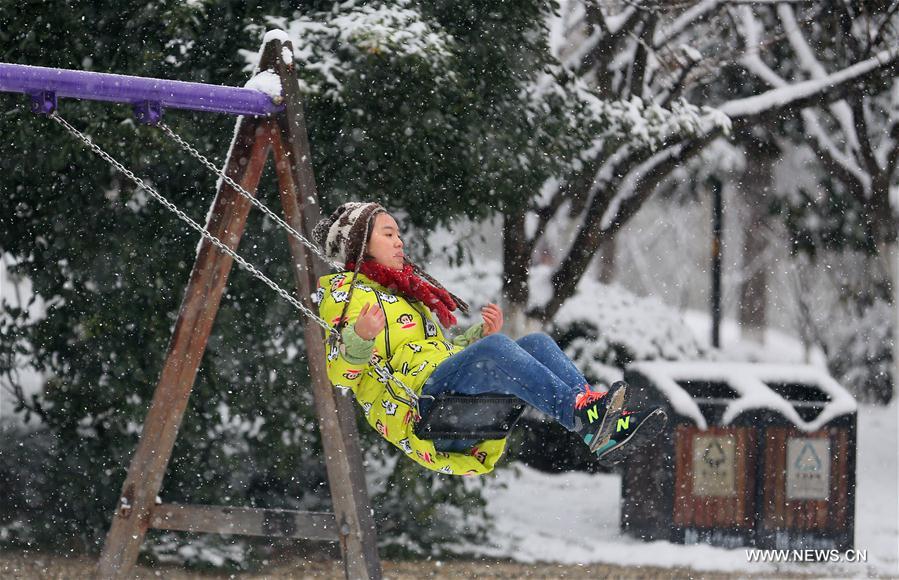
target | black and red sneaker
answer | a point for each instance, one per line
(632, 431)
(595, 414)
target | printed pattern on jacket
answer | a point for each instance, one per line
(411, 346)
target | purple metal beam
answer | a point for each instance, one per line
(94, 86)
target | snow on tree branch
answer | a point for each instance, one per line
(326, 44)
(825, 145)
(634, 121)
(798, 49)
(803, 93)
(814, 67)
(650, 125)
(629, 185)
(618, 22)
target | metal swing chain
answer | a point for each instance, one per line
(246, 194)
(187, 219)
(381, 371)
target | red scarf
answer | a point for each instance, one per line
(410, 285)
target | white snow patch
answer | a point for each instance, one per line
(691, 53)
(779, 347)
(750, 381)
(266, 82)
(275, 34)
(649, 328)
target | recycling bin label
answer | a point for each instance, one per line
(808, 468)
(714, 466)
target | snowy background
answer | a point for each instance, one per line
(573, 518)
(580, 140)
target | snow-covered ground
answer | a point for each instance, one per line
(573, 517)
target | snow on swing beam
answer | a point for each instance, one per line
(148, 95)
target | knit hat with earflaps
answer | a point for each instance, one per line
(344, 237)
(343, 234)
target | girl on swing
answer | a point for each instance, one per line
(383, 306)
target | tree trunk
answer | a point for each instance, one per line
(890, 252)
(755, 188)
(608, 250)
(516, 265)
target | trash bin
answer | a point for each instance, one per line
(756, 455)
(807, 488)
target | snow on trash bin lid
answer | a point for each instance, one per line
(751, 383)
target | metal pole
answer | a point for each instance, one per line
(893, 253)
(133, 90)
(717, 224)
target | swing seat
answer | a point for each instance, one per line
(477, 417)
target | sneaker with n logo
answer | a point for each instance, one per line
(595, 413)
(631, 432)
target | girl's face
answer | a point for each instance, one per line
(384, 243)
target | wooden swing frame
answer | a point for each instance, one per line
(351, 524)
(269, 125)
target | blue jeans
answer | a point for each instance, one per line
(534, 369)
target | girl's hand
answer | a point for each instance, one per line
(370, 322)
(493, 319)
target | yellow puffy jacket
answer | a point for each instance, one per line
(410, 346)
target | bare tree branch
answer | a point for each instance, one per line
(700, 12)
(590, 234)
(646, 184)
(886, 23)
(548, 212)
(834, 167)
(676, 87)
(603, 46)
(813, 66)
(645, 175)
(861, 129)
(638, 69)
(844, 19)
(838, 161)
(893, 155)
(595, 18)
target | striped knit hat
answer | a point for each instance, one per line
(344, 237)
(344, 234)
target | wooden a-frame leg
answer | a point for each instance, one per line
(336, 416)
(198, 309)
(201, 301)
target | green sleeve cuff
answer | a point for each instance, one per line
(357, 350)
(470, 336)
